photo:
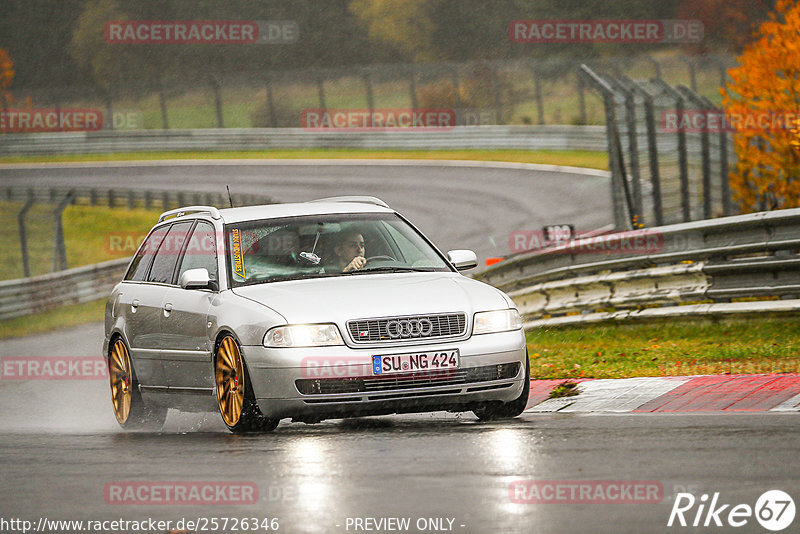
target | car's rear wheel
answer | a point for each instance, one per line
(235, 397)
(497, 410)
(126, 400)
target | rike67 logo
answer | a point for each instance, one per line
(774, 510)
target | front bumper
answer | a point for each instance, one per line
(274, 375)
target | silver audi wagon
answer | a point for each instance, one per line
(325, 309)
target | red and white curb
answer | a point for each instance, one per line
(713, 393)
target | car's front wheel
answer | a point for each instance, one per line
(126, 400)
(496, 410)
(235, 397)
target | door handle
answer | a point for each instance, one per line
(167, 309)
(134, 305)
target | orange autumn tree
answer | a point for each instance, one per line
(6, 77)
(766, 84)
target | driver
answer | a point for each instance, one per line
(349, 251)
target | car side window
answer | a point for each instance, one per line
(167, 255)
(144, 256)
(201, 251)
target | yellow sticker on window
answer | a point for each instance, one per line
(238, 260)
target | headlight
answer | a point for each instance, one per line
(497, 321)
(303, 335)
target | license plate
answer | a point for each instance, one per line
(388, 364)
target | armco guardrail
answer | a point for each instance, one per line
(461, 137)
(637, 273)
(73, 286)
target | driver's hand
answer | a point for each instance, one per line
(357, 263)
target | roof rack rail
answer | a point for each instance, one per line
(355, 198)
(180, 212)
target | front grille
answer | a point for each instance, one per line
(407, 327)
(369, 384)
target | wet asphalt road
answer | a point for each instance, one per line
(60, 448)
(456, 205)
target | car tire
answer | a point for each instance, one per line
(494, 410)
(129, 409)
(235, 398)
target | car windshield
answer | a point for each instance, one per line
(273, 250)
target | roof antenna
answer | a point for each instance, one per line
(229, 194)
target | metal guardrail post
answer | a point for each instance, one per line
(165, 201)
(148, 199)
(131, 200)
(111, 198)
(705, 149)
(23, 239)
(615, 160)
(683, 161)
(59, 245)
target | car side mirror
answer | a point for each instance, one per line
(462, 260)
(197, 279)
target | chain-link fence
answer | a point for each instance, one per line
(518, 91)
(668, 154)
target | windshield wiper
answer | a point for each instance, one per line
(392, 269)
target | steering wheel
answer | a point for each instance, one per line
(374, 258)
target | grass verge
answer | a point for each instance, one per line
(666, 348)
(58, 318)
(91, 234)
(573, 158)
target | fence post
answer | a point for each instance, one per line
(692, 73)
(59, 246)
(652, 148)
(23, 238)
(321, 91)
(537, 84)
(412, 87)
(370, 97)
(162, 102)
(217, 99)
(164, 201)
(615, 160)
(683, 162)
(633, 148)
(273, 123)
(131, 200)
(705, 149)
(724, 171)
(581, 100)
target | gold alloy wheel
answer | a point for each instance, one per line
(119, 374)
(230, 381)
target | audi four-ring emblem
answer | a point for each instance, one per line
(409, 328)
